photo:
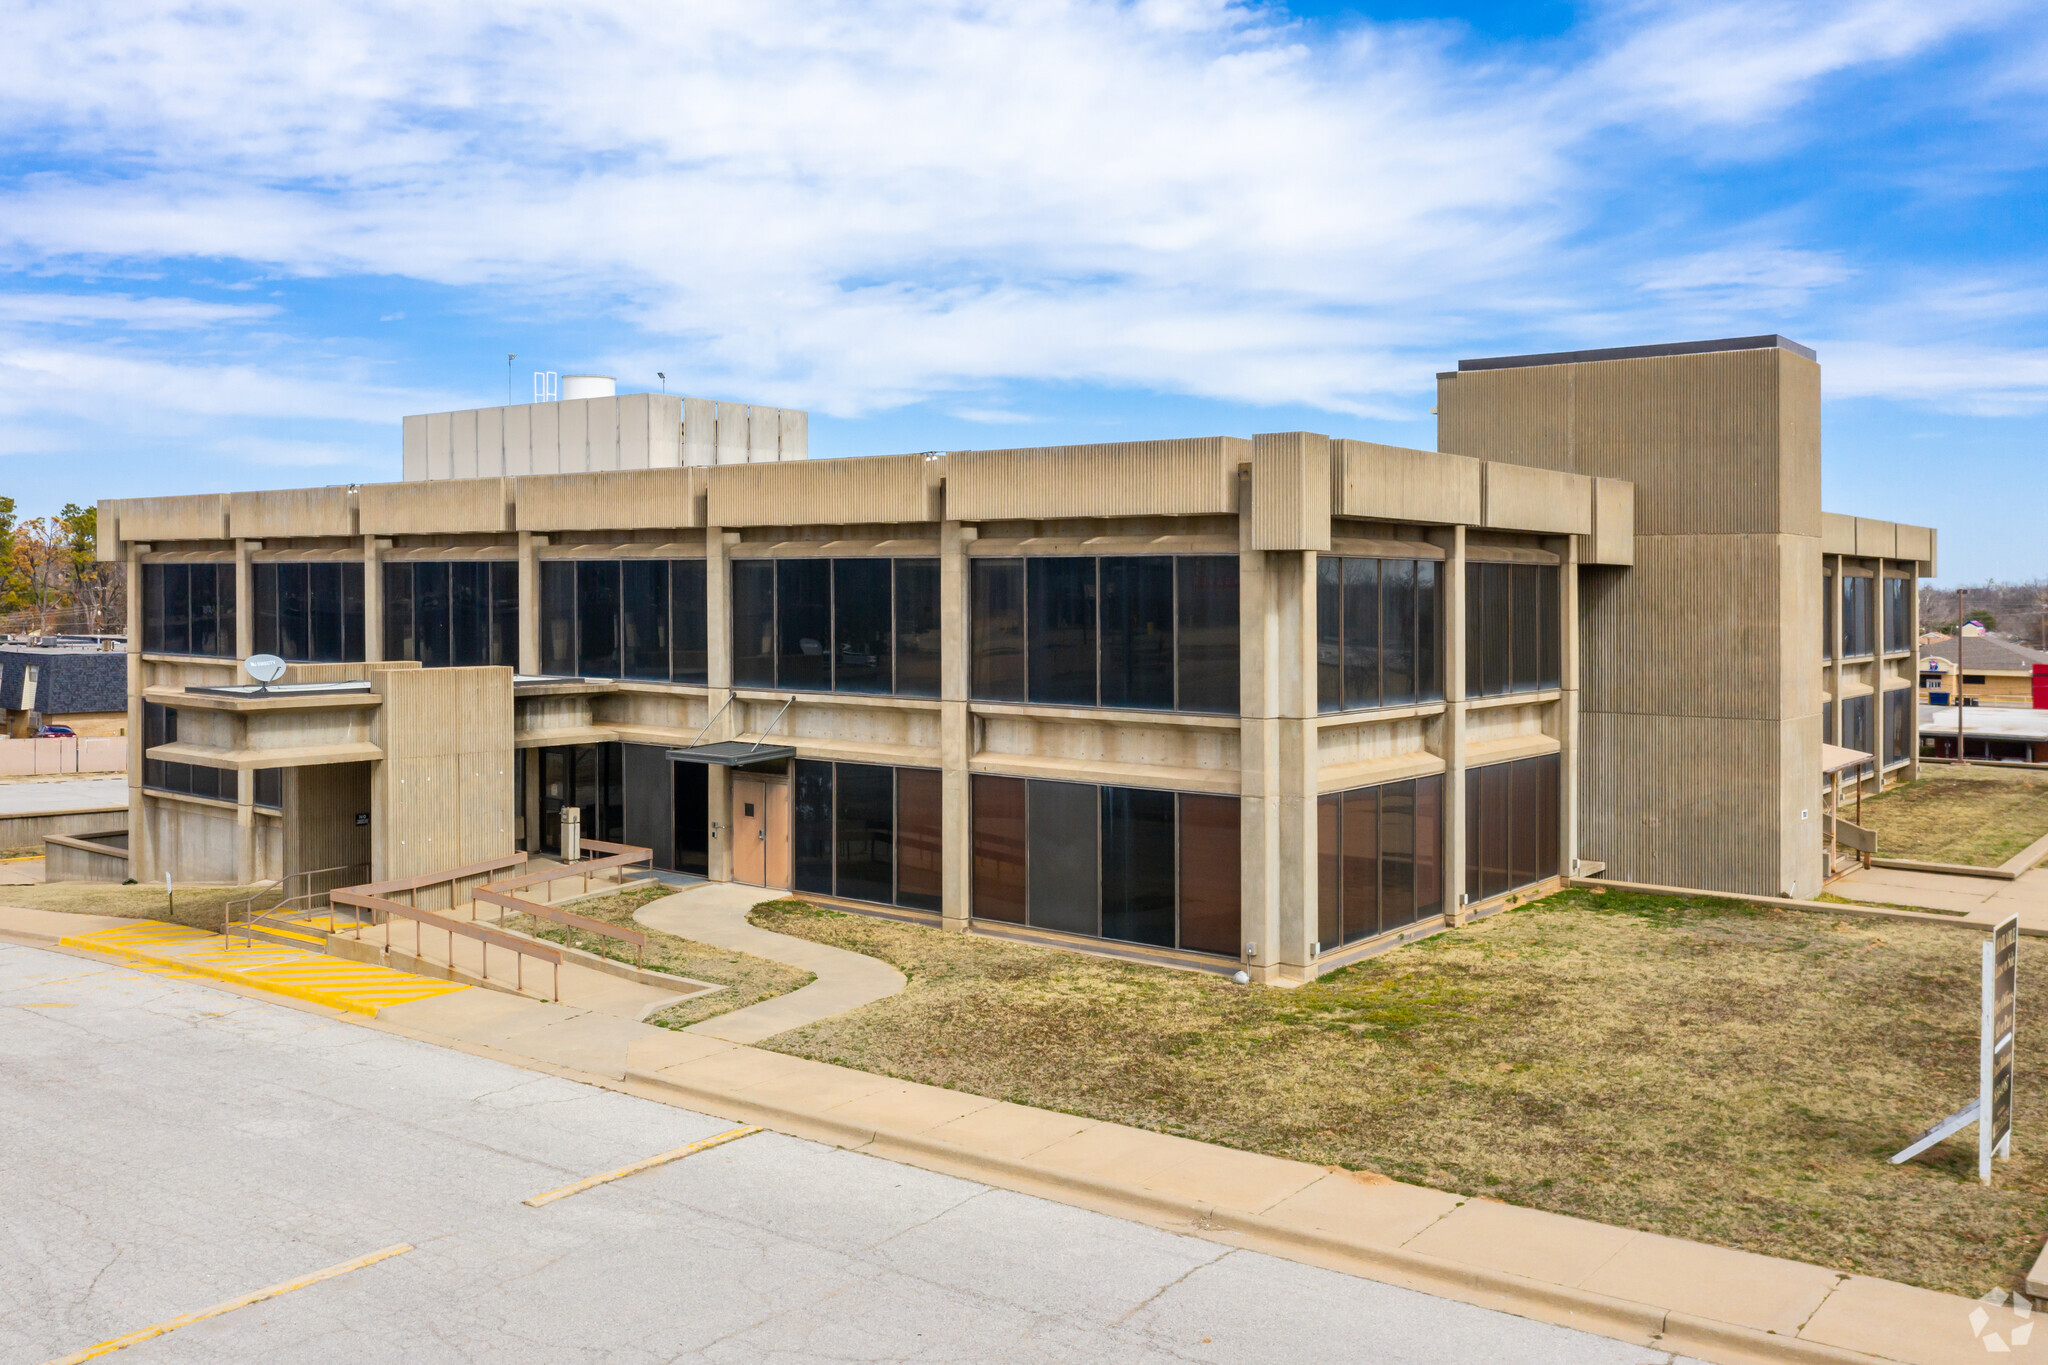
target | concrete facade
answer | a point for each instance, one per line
(1675, 499)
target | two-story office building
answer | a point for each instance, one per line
(1276, 701)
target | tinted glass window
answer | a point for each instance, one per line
(996, 629)
(999, 865)
(803, 636)
(1329, 636)
(686, 596)
(1206, 641)
(398, 613)
(433, 611)
(1211, 877)
(1360, 833)
(504, 644)
(557, 617)
(206, 612)
(1397, 855)
(919, 820)
(917, 628)
(469, 613)
(863, 597)
(866, 832)
(269, 788)
(1524, 627)
(643, 597)
(1361, 632)
(1138, 863)
(753, 622)
(178, 608)
(1137, 632)
(324, 589)
(1329, 870)
(1429, 845)
(1397, 630)
(811, 837)
(1429, 668)
(1063, 887)
(597, 619)
(1059, 600)
(1827, 616)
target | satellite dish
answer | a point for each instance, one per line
(264, 668)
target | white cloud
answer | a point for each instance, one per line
(1982, 380)
(852, 206)
(122, 310)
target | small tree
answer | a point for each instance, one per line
(42, 568)
(95, 587)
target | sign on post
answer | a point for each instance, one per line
(1991, 1111)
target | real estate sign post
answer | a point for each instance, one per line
(1991, 1111)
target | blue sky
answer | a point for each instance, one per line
(236, 245)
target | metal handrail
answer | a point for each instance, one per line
(302, 902)
(416, 884)
(568, 919)
(485, 935)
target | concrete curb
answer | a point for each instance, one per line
(1819, 907)
(1563, 1305)
(1997, 874)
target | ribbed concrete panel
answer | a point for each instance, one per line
(290, 512)
(436, 507)
(626, 500)
(1683, 801)
(1129, 479)
(1547, 501)
(1693, 629)
(1392, 483)
(888, 488)
(1291, 491)
(1523, 416)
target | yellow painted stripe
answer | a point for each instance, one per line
(147, 1333)
(358, 988)
(732, 1135)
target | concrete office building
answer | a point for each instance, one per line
(1275, 702)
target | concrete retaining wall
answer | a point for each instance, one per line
(98, 857)
(27, 830)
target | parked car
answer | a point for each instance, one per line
(56, 732)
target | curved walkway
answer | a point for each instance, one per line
(716, 913)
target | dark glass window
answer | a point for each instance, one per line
(1059, 614)
(433, 616)
(1138, 862)
(269, 788)
(643, 597)
(999, 862)
(1136, 865)
(687, 621)
(310, 613)
(1856, 731)
(996, 629)
(1359, 838)
(1898, 615)
(917, 628)
(597, 618)
(863, 602)
(400, 642)
(160, 726)
(504, 643)
(1898, 724)
(1827, 616)
(1512, 628)
(1855, 615)
(1330, 869)
(853, 822)
(1154, 632)
(557, 617)
(1377, 633)
(1137, 635)
(1511, 825)
(803, 624)
(590, 777)
(189, 609)
(469, 613)
(811, 840)
(753, 622)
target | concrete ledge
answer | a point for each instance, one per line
(1946, 869)
(1822, 907)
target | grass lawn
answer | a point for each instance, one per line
(1712, 1070)
(1979, 816)
(749, 979)
(198, 907)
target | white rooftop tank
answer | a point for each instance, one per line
(576, 386)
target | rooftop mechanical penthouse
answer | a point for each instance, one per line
(1275, 702)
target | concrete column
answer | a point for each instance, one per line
(373, 598)
(1258, 650)
(1454, 724)
(956, 729)
(141, 855)
(1291, 598)
(529, 611)
(245, 828)
(1913, 677)
(1832, 611)
(245, 598)
(718, 544)
(1568, 709)
(1877, 677)
(530, 758)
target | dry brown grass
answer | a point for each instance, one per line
(748, 979)
(1976, 816)
(198, 907)
(1730, 1073)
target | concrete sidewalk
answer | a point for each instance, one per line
(1661, 1292)
(716, 913)
(1984, 900)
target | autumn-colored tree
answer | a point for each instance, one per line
(42, 569)
(96, 587)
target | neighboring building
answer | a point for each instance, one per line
(1998, 734)
(1984, 669)
(81, 683)
(1279, 701)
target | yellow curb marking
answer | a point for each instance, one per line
(339, 984)
(732, 1135)
(146, 1333)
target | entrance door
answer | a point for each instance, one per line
(760, 832)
